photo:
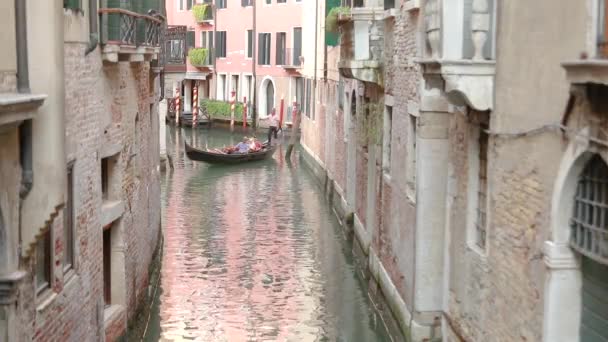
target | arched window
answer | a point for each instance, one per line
(589, 221)
(589, 237)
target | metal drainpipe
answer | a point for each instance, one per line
(23, 86)
(314, 88)
(254, 112)
(93, 30)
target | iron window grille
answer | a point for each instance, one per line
(589, 221)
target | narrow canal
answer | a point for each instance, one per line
(252, 253)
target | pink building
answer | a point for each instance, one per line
(226, 30)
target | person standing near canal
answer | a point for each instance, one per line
(274, 125)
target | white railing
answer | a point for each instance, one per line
(459, 29)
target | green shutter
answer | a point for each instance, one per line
(72, 4)
(331, 38)
(594, 317)
(190, 41)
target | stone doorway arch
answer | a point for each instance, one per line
(267, 96)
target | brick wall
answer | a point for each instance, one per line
(101, 106)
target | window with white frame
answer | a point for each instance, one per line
(249, 43)
(264, 48)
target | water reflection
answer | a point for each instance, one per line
(252, 254)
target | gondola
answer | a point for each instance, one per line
(235, 158)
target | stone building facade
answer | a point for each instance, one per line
(479, 207)
(77, 249)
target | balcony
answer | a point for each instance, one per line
(173, 53)
(129, 36)
(203, 13)
(459, 55)
(362, 41)
(290, 59)
(592, 67)
(201, 58)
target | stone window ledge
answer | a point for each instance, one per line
(411, 5)
(17, 107)
(46, 299)
(111, 211)
(587, 71)
(466, 82)
(112, 313)
(8, 286)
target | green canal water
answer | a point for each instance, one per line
(253, 253)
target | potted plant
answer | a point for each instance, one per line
(335, 16)
(198, 56)
(202, 13)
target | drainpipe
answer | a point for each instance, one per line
(254, 112)
(93, 33)
(314, 88)
(23, 86)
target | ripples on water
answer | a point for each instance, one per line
(252, 254)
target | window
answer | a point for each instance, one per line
(220, 3)
(281, 48)
(190, 40)
(68, 223)
(107, 265)
(340, 94)
(249, 43)
(72, 4)
(478, 181)
(297, 45)
(386, 138)
(246, 3)
(589, 221)
(483, 188)
(43, 262)
(307, 100)
(221, 88)
(268, 2)
(247, 87)
(264, 49)
(189, 4)
(281, 1)
(234, 86)
(410, 170)
(220, 49)
(105, 178)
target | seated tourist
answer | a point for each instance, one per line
(243, 146)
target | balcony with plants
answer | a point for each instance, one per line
(592, 66)
(127, 34)
(203, 13)
(459, 52)
(201, 58)
(361, 28)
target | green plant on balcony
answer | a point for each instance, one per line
(331, 21)
(202, 12)
(198, 56)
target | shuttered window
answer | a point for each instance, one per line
(220, 3)
(281, 48)
(264, 49)
(297, 45)
(220, 48)
(249, 43)
(190, 40)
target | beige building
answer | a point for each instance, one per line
(80, 199)
(480, 206)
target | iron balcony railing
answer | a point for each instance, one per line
(120, 26)
(174, 47)
(289, 57)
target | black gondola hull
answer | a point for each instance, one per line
(218, 158)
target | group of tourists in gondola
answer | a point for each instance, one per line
(248, 149)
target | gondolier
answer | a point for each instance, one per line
(273, 125)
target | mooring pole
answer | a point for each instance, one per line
(245, 112)
(294, 130)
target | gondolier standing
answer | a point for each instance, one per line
(274, 125)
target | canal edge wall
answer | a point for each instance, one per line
(411, 330)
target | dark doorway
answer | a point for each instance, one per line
(269, 97)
